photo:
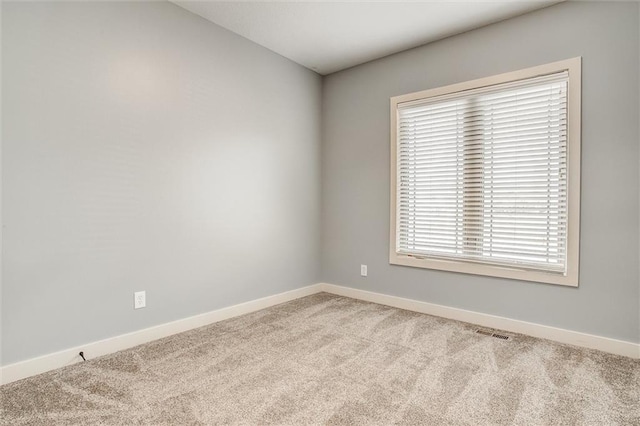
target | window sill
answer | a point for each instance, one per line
(466, 267)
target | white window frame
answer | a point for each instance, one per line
(570, 277)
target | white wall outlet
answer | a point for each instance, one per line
(139, 299)
(363, 270)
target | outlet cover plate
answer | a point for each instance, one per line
(139, 299)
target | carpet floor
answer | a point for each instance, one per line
(326, 359)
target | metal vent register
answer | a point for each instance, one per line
(492, 334)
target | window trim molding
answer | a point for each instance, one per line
(574, 67)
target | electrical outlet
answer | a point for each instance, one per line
(363, 270)
(139, 299)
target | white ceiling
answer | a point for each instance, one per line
(331, 36)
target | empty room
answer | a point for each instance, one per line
(313, 212)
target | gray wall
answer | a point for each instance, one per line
(355, 167)
(145, 148)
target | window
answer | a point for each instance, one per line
(485, 176)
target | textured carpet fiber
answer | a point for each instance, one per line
(325, 359)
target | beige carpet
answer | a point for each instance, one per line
(326, 359)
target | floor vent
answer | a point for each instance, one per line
(496, 335)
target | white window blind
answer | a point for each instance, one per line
(482, 175)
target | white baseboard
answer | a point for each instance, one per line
(605, 344)
(31, 367)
